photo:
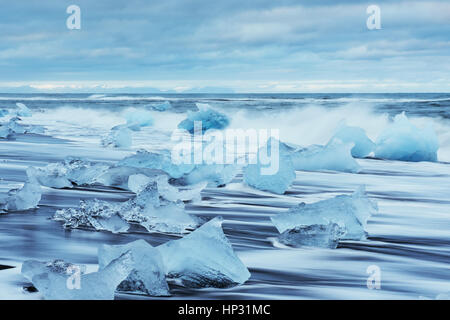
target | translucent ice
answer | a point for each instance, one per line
(350, 212)
(13, 126)
(214, 174)
(64, 281)
(161, 161)
(22, 110)
(25, 198)
(404, 141)
(137, 119)
(363, 146)
(161, 106)
(209, 118)
(315, 235)
(118, 137)
(70, 171)
(3, 112)
(204, 258)
(277, 181)
(100, 215)
(148, 275)
(334, 156)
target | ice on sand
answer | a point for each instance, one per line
(209, 118)
(204, 258)
(260, 175)
(118, 137)
(67, 173)
(148, 208)
(24, 198)
(334, 156)
(13, 127)
(350, 212)
(148, 275)
(363, 146)
(404, 141)
(58, 280)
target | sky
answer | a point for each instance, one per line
(225, 45)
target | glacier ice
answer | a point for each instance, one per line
(277, 182)
(148, 275)
(404, 141)
(12, 126)
(334, 156)
(152, 160)
(204, 258)
(100, 215)
(118, 137)
(349, 211)
(214, 174)
(363, 146)
(22, 110)
(315, 235)
(57, 280)
(3, 112)
(24, 198)
(209, 118)
(71, 171)
(136, 119)
(148, 208)
(161, 106)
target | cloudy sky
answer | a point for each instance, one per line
(243, 45)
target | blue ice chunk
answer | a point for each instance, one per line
(3, 112)
(334, 156)
(148, 275)
(315, 235)
(137, 119)
(59, 280)
(161, 161)
(204, 258)
(118, 137)
(209, 118)
(22, 110)
(351, 212)
(161, 106)
(363, 146)
(262, 177)
(404, 141)
(25, 198)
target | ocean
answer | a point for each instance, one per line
(408, 240)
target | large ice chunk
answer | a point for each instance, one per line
(22, 110)
(13, 126)
(204, 258)
(334, 156)
(404, 141)
(315, 235)
(214, 174)
(71, 171)
(119, 137)
(148, 275)
(351, 212)
(363, 146)
(262, 177)
(59, 280)
(136, 119)
(24, 198)
(161, 161)
(209, 118)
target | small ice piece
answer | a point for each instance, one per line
(65, 281)
(22, 110)
(138, 182)
(161, 106)
(148, 275)
(204, 258)
(209, 118)
(65, 174)
(213, 174)
(277, 182)
(350, 212)
(118, 137)
(100, 215)
(363, 146)
(404, 141)
(161, 161)
(334, 156)
(25, 198)
(315, 235)
(136, 119)
(3, 112)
